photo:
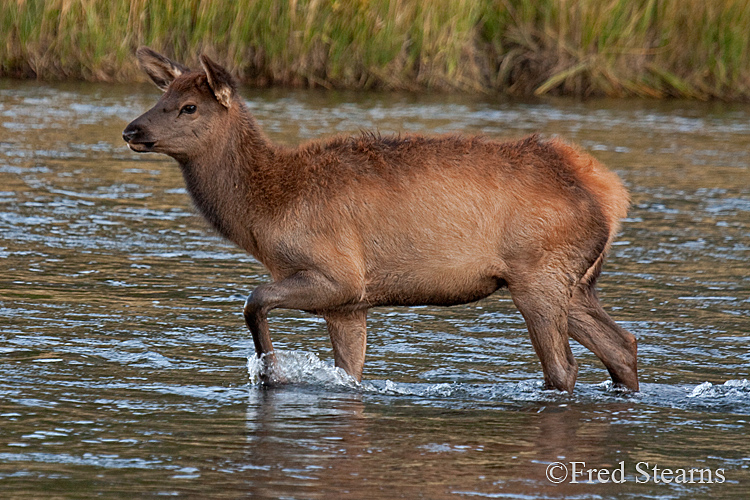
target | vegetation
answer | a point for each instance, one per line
(683, 48)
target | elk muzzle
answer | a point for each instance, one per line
(137, 138)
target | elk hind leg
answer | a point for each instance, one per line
(590, 325)
(545, 310)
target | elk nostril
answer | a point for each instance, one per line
(129, 133)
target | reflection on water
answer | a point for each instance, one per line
(124, 358)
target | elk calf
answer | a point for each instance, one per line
(351, 223)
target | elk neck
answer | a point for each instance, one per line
(226, 179)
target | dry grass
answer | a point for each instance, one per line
(682, 48)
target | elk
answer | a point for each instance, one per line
(351, 223)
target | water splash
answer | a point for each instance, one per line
(526, 390)
(294, 367)
(731, 389)
(307, 369)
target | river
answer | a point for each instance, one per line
(126, 370)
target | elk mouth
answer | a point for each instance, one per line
(141, 147)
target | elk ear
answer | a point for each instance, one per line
(221, 82)
(161, 70)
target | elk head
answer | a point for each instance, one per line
(192, 113)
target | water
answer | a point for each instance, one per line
(124, 360)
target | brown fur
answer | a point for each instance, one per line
(351, 223)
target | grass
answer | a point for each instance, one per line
(656, 48)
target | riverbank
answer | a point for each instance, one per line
(654, 48)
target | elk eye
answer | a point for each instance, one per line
(188, 109)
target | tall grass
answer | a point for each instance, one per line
(684, 48)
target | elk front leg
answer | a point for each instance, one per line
(307, 291)
(348, 332)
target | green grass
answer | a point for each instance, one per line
(658, 48)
